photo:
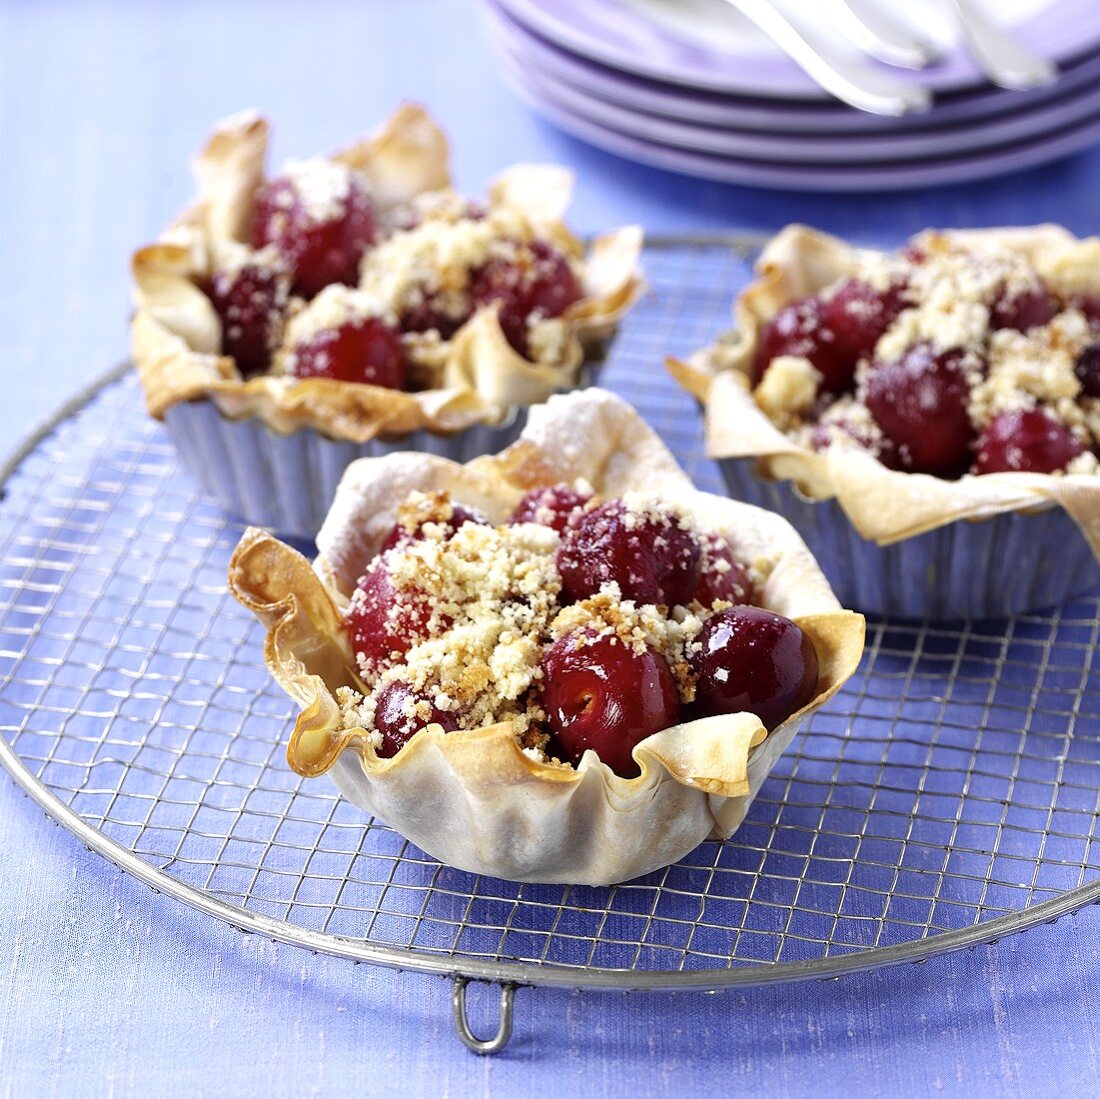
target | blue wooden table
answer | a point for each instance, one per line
(106, 989)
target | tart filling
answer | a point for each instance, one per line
(957, 361)
(366, 268)
(932, 359)
(584, 623)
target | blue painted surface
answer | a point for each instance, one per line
(108, 990)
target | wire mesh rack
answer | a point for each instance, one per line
(947, 796)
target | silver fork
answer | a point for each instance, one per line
(1005, 61)
(849, 80)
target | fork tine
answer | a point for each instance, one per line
(1003, 59)
(876, 32)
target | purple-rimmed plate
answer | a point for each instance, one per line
(998, 132)
(819, 177)
(753, 114)
(707, 44)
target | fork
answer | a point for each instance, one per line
(851, 81)
(1005, 61)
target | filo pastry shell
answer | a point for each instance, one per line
(475, 800)
(476, 377)
(884, 505)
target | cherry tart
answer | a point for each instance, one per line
(272, 294)
(916, 387)
(480, 650)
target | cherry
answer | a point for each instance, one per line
(250, 302)
(436, 311)
(1027, 441)
(538, 281)
(381, 620)
(651, 554)
(367, 351)
(1024, 310)
(920, 403)
(1089, 304)
(553, 506)
(731, 584)
(392, 720)
(459, 516)
(321, 246)
(799, 329)
(1087, 369)
(858, 315)
(601, 694)
(754, 661)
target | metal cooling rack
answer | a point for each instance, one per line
(947, 796)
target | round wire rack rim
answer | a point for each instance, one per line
(521, 974)
(511, 973)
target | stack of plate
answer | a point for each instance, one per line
(691, 86)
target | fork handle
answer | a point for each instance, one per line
(849, 80)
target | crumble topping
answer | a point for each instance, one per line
(322, 187)
(788, 389)
(492, 603)
(1029, 368)
(332, 308)
(437, 256)
(547, 338)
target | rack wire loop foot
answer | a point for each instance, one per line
(482, 1046)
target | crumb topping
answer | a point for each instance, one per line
(322, 187)
(330, 310)
(490, 601)
(436, 258)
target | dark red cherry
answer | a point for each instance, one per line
(1089, 304)
(539, 280)
(920, 403)
(649, 553)
(754, 661)
(381, 620)
(445, 314)
(721, 575)
(858, 315)
(1027, 441)
(459, 516)
(1023, 309)
(552, 507)
(321, 222)
(368, 351)
(799, 329)
(251, 303)
(601, 694)
(1087, 369)
(400, 712)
